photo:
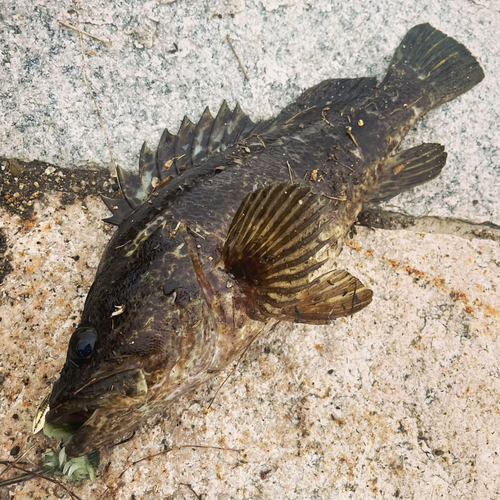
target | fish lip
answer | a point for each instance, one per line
(79, 411)
(69, 414)
(79, 443)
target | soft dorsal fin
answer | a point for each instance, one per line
(333, 93)
(311, 104)
(272, 251)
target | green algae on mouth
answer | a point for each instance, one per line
(59, 463)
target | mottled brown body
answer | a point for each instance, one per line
(186, 285)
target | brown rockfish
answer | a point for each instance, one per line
(232, 226)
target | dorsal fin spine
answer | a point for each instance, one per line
(192, 144)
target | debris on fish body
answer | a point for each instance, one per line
(232, 226)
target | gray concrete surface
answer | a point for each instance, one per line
(142, 84)
(401, 401)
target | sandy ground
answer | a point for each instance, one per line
(399, 401)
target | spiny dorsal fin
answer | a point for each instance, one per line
(147, 168)
(408, 169)
(131, 187)
(238, 127)
(119, 208)
(272, 249)
(201, 137)
(164, 154)
(216, 139)
(183, 145)
(192, 144)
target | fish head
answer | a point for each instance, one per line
(101, 409)
(121, 357)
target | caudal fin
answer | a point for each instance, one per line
(444, 67)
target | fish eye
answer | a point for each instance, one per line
(82, 345)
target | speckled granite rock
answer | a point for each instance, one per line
(171, 58)
(400, 401)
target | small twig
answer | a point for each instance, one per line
(18, 479)
(9, 465)
(408, 106)
(109, 44)
(299, 113)
(160, 184)
(88, 86)
(237, 58)
(324, 117)
(336, 160)
(8, 462)
(346, 166)
(258, 137)
(90, 382)
(342, 198)
(121, 246)
(168, 163)
(196, 233)
(32, 474)
(105, 492)
(174, 232)
(164, 452)
(290, 172)
(194, 492)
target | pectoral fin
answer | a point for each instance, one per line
(275, 245)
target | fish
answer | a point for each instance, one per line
(231, 227)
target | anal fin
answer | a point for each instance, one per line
(408, 169)
(275, 246)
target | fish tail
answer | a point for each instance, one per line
(435, 63)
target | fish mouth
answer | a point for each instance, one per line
(119, 389)
(72, 422)
(98, 412)
(71, 414)
(58, 416)
(91, 429)
(83, 436)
